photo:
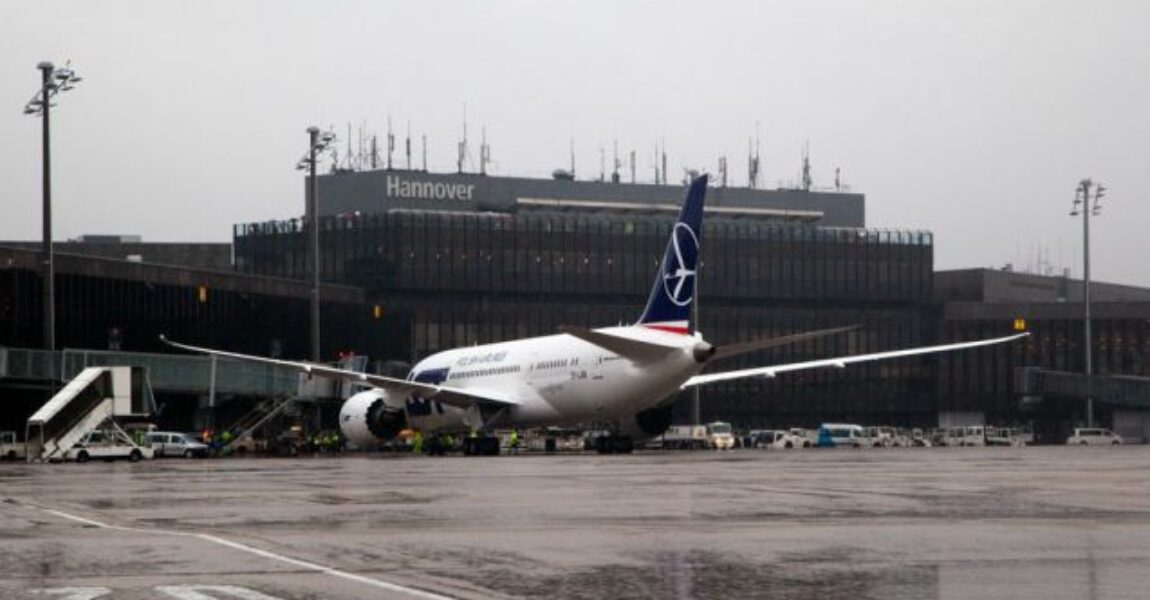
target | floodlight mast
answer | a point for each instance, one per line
(318, 142)
(52, 82)
(1082, 197)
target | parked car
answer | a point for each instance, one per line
(170, 443)
(106, 445)
(1094, 437)
(775, 438)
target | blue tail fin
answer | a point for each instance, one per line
(669, 306)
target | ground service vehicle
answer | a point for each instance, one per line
(170, 443)
(1094, 437)
(776, 438)
(9, 448)
(833, 435)
(720, 436)
(685, 437)
(106, 445)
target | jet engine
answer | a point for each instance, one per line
(372, 416)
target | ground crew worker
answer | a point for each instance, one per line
(417, 442)
(513, 441)
(225, 439)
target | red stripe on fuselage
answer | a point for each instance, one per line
(668, 328)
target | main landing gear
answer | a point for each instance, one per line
(481, 446)
(614, 444)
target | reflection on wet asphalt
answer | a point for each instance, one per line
(886, 524)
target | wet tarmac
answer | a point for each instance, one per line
(1045, 522)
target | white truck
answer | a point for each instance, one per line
(684, 437)
(720, 436)
(10, 449)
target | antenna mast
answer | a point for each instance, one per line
(807, 167)
(390, 143)
(484, 153)
(615, 161)
(463, 142)
(664, 161)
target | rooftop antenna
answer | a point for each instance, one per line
(722, 171)
(374, 154)
(656, 157)
(602, 164)
(632, 166)
(407, 144)
(484, 153)
(361, 157)
(807, 167)
(664, 160)
(390, 143)
(350, 165)
(463, 142)
(753, 160)
(425, 153)
(572, 158)
(615, 161)
(838, 180)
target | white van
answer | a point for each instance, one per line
(1094, 437)
(171, 443)
(842, 434)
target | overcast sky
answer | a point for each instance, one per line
(974, 120)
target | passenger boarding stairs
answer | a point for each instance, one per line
(97, 396)
(254, 419)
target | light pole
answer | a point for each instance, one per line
(318, 142)
(1082, 204)
(52, 82)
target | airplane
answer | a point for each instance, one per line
(626, 376)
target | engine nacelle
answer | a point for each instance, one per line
(372, 416)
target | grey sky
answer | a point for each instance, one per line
(971, 119)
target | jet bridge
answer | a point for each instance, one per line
(96, 396)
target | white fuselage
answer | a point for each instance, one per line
(556, 379)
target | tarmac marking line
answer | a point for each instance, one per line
(370, 581)
(74, 593)
(196, 592)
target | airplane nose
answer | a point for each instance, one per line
(702, 352)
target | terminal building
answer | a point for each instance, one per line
(414, 263)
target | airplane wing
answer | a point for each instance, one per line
(461, 398)
(841, 362)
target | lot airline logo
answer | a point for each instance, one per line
(399, 187)
(686, 248)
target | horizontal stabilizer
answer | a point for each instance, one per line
(636, 350)
(729, 350)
